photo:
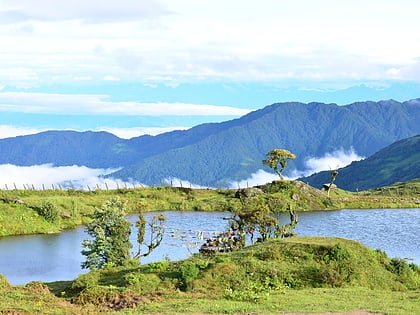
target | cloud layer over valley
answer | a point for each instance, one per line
(80, 177)
(333, 160)
(48, 176)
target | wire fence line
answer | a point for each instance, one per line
(100, 186)
(103, 186)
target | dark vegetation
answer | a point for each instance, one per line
(218, 154)
(398, 162)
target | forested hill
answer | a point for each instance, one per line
(219, 153)
(235, 149)
(62, 148)
(398, 162)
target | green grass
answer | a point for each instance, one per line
(18, 214)
(302, 274)
(305, 300)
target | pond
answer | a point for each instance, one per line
(55, 257)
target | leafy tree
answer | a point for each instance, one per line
(110, 236)
(110, 232)
(276, 157)
(255, 216)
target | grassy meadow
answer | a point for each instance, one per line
(22, 211)
(299, 274)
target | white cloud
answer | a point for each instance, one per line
(7, 131)
(190, 40)
(47, 176)
(92, 103)
(337, 159)
(330, 161)
(91, 11)
(81, 177)
(261, 177)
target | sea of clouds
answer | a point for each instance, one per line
(48, 176)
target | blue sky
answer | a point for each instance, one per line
(134, 67)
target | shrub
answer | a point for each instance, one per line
(158, 266)
(38, 287)
(85, 281)
(48, 211)
(143, 283)
(96, 295)
(133, 278)
(337, 252)
(398, 266)
(3, 282)
(407, 274)
(337, 268)
(188, 272)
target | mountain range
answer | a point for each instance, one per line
(217, 154)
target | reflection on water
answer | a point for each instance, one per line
(57, 256)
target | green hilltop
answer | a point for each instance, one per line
(301, 274)
(398, 162)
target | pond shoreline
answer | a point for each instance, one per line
(184, 236)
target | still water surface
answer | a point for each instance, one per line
(57, 256)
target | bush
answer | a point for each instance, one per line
(407, 274)
(38, 287)
(337, 252)
(158, 266)
(3, 282)
(337, 268)
(85, 281)
(143, 283)
(398, 266)
(97, 295)
(48, 211)
(188, 272)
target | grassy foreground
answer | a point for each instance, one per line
(302, 274)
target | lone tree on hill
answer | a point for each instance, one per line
(276, 157)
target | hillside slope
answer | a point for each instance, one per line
(237, 147)
(217, 154)
(62, 148)
(398, 162)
